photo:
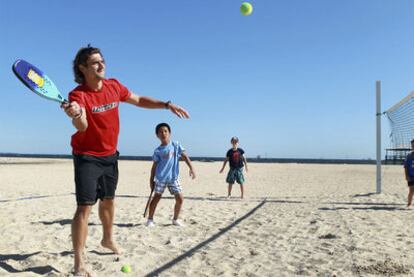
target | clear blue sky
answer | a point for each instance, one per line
(295, 79)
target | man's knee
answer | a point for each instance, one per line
(83, 211)
(106, 203)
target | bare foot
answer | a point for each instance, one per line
(111, 246)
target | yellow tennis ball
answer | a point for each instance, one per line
(126, 268)
(246, 8)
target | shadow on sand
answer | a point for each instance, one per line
(190, 252)
(364, 206)
(41, 270)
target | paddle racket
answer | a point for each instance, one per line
(37, 81)
(148, 202)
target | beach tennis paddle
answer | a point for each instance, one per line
(37, 81)
(148, 202)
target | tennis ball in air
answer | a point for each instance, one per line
(126, 268)
(246, 8)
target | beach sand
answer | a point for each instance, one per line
(295, 220)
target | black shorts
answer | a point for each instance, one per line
(410, 183)
(95, 178)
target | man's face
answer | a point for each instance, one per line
(163, 134)
(94, 69)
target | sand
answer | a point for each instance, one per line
(295, 220)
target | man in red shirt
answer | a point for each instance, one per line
(93, 108)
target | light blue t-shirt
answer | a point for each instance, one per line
(167, 158)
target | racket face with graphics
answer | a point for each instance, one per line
(37, 81)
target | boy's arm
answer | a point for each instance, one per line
(154, 166)
(407, 176)
(245, 162)
(224, 164)
(188, 162)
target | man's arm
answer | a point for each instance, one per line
(188, 162)
(152, 103)
(78, 115)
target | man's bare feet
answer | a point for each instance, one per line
(111, 246)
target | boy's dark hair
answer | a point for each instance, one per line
(81, 58)
(412, 140)
(162, 125)
(235, 139)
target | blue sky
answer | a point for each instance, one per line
(296, 79)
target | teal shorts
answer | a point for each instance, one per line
(235, 175)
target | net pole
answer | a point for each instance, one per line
(378, 96)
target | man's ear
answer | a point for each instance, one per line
(82, 68)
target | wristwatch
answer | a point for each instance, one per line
(167, 104)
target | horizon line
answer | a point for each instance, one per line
(258, 159)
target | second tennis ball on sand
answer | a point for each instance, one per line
(126, 268)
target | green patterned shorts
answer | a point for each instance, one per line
(235, 175)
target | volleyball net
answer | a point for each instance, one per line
(401, 122)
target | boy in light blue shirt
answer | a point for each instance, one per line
(165, 172)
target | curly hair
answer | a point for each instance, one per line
(81, 58)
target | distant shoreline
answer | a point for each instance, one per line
(209, 159)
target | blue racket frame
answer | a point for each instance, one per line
(38, 82)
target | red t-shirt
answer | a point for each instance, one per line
(101, 136)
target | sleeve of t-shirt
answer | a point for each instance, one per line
(180, 149)
(241, 151)
(76, 96)
(155, 156)
(228, 154)
(124, 92)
